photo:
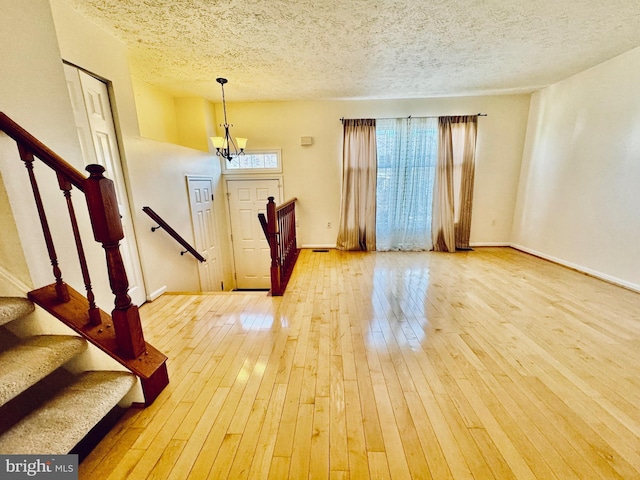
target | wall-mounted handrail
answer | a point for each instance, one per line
(176, 236)
(279, 227)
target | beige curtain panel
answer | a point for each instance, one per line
(357, 230)
(453, 191)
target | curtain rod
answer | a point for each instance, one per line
(342, 119)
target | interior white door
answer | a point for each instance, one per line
(204, 231)
(80, 114)
(96, 130)
(252, 259)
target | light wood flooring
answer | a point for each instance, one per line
(484, 364)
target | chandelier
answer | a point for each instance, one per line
(225, 146)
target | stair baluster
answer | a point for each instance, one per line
(61, 288)
(94, 312)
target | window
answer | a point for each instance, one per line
(407, 151)
(265, 161)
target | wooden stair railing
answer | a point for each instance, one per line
(125, 341)
(172, 233)
(279, 227)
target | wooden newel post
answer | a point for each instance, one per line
(272, 233)
(107, 229)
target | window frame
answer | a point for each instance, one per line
(254, 171)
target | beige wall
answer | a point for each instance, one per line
(33, 93)
(195, 119)
(577, 187)
(186, 121)
(312, 173)
(160, 171)
(13, 265)
(156, 112)
(579, 199)
(155, 167)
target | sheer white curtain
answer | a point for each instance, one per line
(357, 230)
(454, 185)
(407, 159)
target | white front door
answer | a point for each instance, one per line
(204, 231)
(248, 198)
(96, 130)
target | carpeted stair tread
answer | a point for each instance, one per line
(63, 421)
(12, 308)
(33, 359)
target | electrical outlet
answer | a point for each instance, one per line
(493, 222)
(328, 224)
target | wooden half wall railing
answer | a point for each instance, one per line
(279, 227)
(125, 341)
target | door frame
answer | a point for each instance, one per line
(123, 181)
(240, 177)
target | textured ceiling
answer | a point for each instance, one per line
(330, 49)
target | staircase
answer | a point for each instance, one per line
(44, 409)
(119, 334)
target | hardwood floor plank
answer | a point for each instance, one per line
(107, 456)
(356, 443)
(279, 468)
(370, 418)
(476, 365)
(123, 470)
(263, 456)
(378, 466)
(155, 450)
(163, 467)
(339, 450)
(319, 461)
(199, 433)
(120, 435)
(301, 453)
(248, 443)
(289, 418)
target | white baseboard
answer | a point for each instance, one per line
(490, 244)
(12, 285)
(153, 295)
(319, 246)
(594, 273)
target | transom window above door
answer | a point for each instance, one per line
(262, 161)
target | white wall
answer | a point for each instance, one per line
(313, 173)
(579, 194)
